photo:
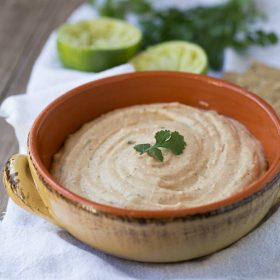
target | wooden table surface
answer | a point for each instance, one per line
(24, 28)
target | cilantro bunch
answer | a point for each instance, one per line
(213, 28)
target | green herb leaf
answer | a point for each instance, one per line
(162, 136)
(175, 143)
(155, 153)
(172, 141)
(142, 148)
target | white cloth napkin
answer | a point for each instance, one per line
(31, 248)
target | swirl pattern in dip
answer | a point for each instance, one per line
(98, 161)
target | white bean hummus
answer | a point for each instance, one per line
(99, 162)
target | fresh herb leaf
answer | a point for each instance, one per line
(120, 8)
(172, 141)
(155, 153)
(214, 28)
(162, 136)
(175, 143)
(142, 148)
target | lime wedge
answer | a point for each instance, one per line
(95, 45)
(174, 56)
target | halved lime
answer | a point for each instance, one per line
(95, 45)
(174, 56)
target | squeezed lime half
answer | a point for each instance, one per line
(96, 45)
(173, 56)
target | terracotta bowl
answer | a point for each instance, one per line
(150, 236)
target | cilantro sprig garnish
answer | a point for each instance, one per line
(172, 141)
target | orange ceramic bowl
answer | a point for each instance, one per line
(158, 235)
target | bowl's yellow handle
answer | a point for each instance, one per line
(20, 187)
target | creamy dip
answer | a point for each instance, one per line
(99, 162)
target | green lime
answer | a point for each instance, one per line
(174, 56)
(96, 45)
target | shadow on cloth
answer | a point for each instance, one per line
(148, 271)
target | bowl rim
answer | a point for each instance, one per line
(237, 198)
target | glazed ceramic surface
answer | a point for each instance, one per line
(151, 236)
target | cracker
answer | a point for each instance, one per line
(260, 79)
